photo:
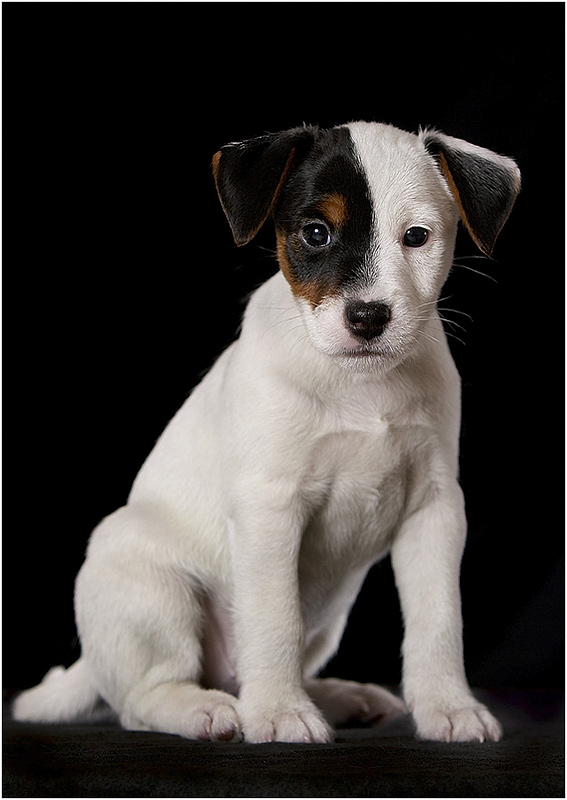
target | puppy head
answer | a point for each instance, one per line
(365, 217)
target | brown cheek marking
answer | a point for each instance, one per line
(283, 260)
(312, 291)
(335, 209)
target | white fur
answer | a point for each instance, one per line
(207, 605)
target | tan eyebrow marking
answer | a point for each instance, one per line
(335, 209)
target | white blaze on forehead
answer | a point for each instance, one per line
(406, 190)
(403, 179)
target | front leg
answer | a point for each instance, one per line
(426, 557)
(273, 705)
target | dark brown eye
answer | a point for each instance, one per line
(416, 236)
(316, 234)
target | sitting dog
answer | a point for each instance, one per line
(323, 438)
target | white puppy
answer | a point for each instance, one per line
(325, 437)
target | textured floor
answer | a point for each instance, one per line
(105, 761)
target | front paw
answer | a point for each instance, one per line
(472, 722)
(301, 723)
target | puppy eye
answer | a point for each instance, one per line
(316, 234)
(416, 236)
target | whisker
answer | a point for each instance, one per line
(430, 303)
(428, 336)
(269, 250)
(425, 335)
(466, 258)
(454, 336)
(477, 271)
(452, 322)
(431, 338)
(435, 302)
(280, 319)
(456, 311)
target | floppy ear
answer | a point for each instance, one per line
(484, 185)
(249, 176)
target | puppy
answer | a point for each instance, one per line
(323, 438)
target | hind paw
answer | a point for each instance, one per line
(348, 702)
(218, 722)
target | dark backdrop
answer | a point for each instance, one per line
(122, 283)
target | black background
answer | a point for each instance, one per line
(122, 283)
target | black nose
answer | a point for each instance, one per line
(367, 320)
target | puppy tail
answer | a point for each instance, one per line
(64, 695)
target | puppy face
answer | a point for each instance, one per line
(365, 217)
(365, 231)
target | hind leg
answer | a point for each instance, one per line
(345, 702)
(140, 623)
(348, 702)
(185, 709)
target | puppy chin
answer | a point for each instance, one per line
(366, 362)
(349, 354)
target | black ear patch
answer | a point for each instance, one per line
(249, 176)
(484, 185)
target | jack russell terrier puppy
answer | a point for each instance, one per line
(323, 438)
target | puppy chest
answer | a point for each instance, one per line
(356, 490)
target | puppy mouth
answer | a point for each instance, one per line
(363, 350)
(363, 353)
(380, 351)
